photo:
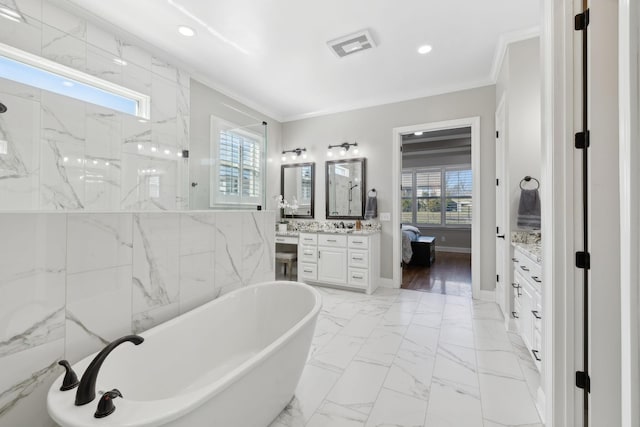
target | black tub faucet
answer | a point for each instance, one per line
(87, 388)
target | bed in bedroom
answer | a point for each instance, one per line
(417, 249)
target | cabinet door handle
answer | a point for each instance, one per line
(357, 259)
(308, 271)
(515, 260)
(536, 314)
(357, 241)
(500, 236)
(308, 239)
(536, 279)
(357, 277)
(308, 252)
(332, 240)
(524, 267)
(279, 239)
(318, 254)
(515, 315)
(535, 355)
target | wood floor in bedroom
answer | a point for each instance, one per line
(450, 274)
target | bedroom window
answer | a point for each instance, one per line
(237, 174)
(439, 196)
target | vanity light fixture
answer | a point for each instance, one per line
(295, 153)
(344, 148)
(418, 133)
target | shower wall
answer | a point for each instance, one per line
(59, 153)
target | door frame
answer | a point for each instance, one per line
(629, 76)
(501, 158)
(474, 124)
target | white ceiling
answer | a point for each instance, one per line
(272, 54)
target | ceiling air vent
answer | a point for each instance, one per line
(353, 43)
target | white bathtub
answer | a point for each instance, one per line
(233, 362)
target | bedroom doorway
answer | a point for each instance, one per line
(437, 211)
(457, 207)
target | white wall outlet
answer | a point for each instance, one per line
(385, 216)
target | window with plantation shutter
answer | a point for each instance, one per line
(439, 196)
(237, 172)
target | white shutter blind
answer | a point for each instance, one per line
(458, 204)
(238, 157)
(407, 197)
(428, 196)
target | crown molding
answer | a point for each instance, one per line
(503, 43)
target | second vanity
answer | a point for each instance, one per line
(347, 260)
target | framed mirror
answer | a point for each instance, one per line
(297, 182)
(345, 188)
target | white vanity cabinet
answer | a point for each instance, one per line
(344, 260)
(332, 259)
(527, 303)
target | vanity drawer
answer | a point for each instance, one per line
(308, 238)
(287, 239)
(359, 242)
(358, 277)
(308, 271)
(358, 258)
(332, 240)
(308, 254)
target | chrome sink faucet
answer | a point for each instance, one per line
(87, 388)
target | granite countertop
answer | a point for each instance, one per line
(532, 250)
(530, 242)
(337, 231)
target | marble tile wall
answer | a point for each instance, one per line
(72, 282)
(65, 154)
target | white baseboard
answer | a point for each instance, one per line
(487, 295)
(453, 249)
(386, 283)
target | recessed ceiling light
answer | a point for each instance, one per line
(424, 49)
(418, 133)
(186, 31)
(67, 84)
(119, 61)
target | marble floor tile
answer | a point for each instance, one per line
(395, 409)
(507, 401)
(333, 415)
(338, 353)
(359, 386)
(407, 358)
(451, 405)
(411, 372)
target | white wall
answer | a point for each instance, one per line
(372, 129)
(206, 102)
(519, 80)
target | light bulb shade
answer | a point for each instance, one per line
(356, 151)
(284, 158)
(343, 152)
(304, 155)
(329, 153)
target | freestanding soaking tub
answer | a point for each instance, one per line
(233, 362)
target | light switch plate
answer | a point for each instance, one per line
(385, 216)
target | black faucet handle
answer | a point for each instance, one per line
(105, 405)
(70, 380)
